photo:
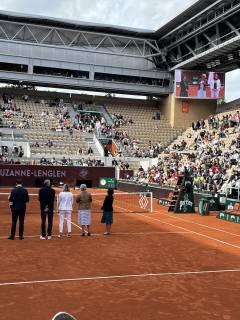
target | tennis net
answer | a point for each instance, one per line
(136, 202)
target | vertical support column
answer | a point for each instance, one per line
(91, 75)
(217, 34)
(30, 68)
(196, 42)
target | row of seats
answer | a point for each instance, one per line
(189, 135)
(144, 127)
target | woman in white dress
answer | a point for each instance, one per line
(65, 208)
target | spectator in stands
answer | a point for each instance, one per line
(43, 160)
(36, 144)
(98, 128)
(49, 143)
(106, 153)
(21, 152)
(158, 115)
(238, 142)
(64, 161)
(90, 150)
(80, 151)
(25, 98)
(53, 161)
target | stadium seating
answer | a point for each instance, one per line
(210, 153)
(43, 125)
(144, 127)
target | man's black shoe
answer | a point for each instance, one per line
(21, 238)
(11, 237)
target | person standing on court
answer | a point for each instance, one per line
(46, 198)
(84, 200)
(107, 208)
(65, 209)
(17, 200)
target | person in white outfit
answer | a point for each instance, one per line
(215, 85)
(65, 209)
(98, 128)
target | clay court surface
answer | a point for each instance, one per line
(154, 266)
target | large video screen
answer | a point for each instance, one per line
(199, 84)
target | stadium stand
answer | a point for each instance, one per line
(53, 125)
(145, 131)
(57, 132)
(209, 150)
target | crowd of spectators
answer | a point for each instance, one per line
(95, 122)
(83, 162)
(11, 155)
(7, 160)
(10, 110)
(213, 166)
(15, 151)
(209, 173)
(227, 121)
(90, 122)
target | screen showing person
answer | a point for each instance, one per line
(196, 84)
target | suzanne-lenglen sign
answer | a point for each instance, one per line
(37, 173)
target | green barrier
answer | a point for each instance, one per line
(231, 217)
(163, 202)
(107, 183)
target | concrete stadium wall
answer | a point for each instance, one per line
(38, 94)
(197, 109)
(32, 175)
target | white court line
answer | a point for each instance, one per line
(185, 229)
(125, 276)
(113, 234)
(198, 224)
(149, 233)
(74, 224)
(191, 231)
(38, 236)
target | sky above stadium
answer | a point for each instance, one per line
(145, 14)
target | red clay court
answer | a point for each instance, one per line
(154, 266)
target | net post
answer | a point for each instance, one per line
(57, 200)
(151, 202)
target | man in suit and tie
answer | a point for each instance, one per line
(17, 200)
(46, 198)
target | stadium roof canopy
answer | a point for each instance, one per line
(73, 24)
(183, 17)
(105, 28)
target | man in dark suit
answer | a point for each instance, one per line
(46, 198)
(17, 200)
